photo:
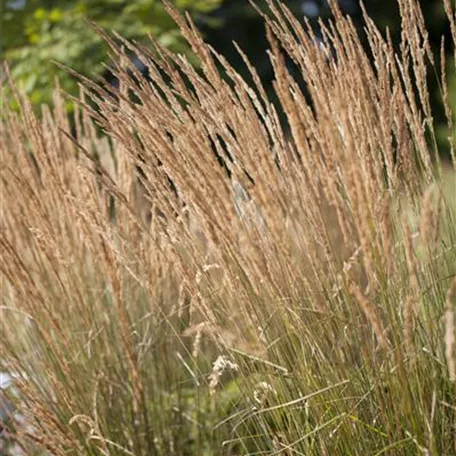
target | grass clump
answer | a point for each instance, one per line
(202, 279)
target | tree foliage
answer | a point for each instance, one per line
(37, 33)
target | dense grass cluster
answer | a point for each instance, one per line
(184, 273)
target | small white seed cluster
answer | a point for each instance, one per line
(221, 365)
(262, 391)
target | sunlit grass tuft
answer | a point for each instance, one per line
(298, 300)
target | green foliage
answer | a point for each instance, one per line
(39, 33)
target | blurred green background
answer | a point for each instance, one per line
(35, 33)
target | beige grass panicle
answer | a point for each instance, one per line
(131, 260)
